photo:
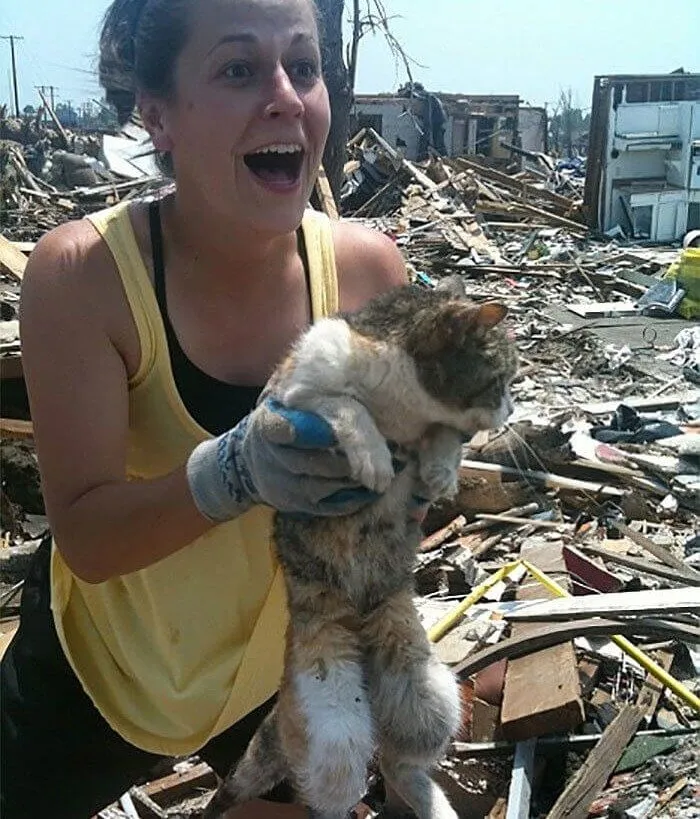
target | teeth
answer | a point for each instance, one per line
(281, 148)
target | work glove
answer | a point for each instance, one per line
(281, 457)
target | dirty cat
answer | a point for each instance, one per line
(422, 369)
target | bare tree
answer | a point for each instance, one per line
(340, 89)
(340, 70)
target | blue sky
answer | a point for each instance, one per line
(533, 48)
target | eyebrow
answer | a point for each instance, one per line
(245, 37)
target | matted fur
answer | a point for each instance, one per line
(422, 369)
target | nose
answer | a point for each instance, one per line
(284, 99)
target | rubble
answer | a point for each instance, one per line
(583, 705)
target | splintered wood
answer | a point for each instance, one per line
(542, 693)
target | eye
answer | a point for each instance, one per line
(237, 71)
(305, 70)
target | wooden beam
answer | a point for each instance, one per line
(552, 634)
(174, 787)
(690, 578)
(660, 552)
(16, 428)
(325, 195)
(542, 692)
(12, 260)
(548, 479)
(591, 777)
(659, 601)
(56, 122)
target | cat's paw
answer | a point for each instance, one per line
(371, 465)
(440, 479)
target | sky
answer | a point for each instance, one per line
(534, 48)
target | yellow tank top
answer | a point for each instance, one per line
(174, 654)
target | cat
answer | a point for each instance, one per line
(422, 369)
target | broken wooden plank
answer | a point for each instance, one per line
(16, 428)
(55, 119)
(520, 790)
(438, 538)
(651, 691)
(591, 777)
(541, 524)
(660, 552)
(325, 194)
(552, 634)
(645, 566)
(542, 692)
(549, 479)
(605, 309)
(24, 247)
(659, 601)
(399, 160)
(172, 788)
(12, 260)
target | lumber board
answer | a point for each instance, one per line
(659, 552)
(652, 689)
(548, 479)
(686, 575)
(542, 692)
(658, 601)
(16, 428)
(172, 788)
(591, 777)
(12, 260)
(325, 194)
(518, 185)
(552, 634)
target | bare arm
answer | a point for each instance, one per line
(74, 318)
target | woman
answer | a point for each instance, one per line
(153, 625)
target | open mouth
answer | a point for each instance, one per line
(277, 165)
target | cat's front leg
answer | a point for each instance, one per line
(439, 457)
(366, 448)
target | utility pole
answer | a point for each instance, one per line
(12, 38)
(43, 89)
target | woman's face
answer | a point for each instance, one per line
(250, 114)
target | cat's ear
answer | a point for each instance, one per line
(490, 313)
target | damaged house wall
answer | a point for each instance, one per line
(532, 125)
(473, 124)
(644, 156)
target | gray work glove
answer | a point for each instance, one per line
(281, 457)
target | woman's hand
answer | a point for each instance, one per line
(285, 458)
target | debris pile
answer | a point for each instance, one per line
(49, 173)
(562, 584)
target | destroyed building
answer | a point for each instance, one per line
(644, 156)
(453, 124)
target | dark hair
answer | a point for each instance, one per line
(139, 46)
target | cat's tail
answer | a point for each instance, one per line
(259, 770)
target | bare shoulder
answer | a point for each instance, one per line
(71, 284)
(63, 262)
(368, 263)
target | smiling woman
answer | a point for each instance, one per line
(155, 613)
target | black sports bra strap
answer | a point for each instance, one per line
(157, 254)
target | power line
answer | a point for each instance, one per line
(12, 38)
